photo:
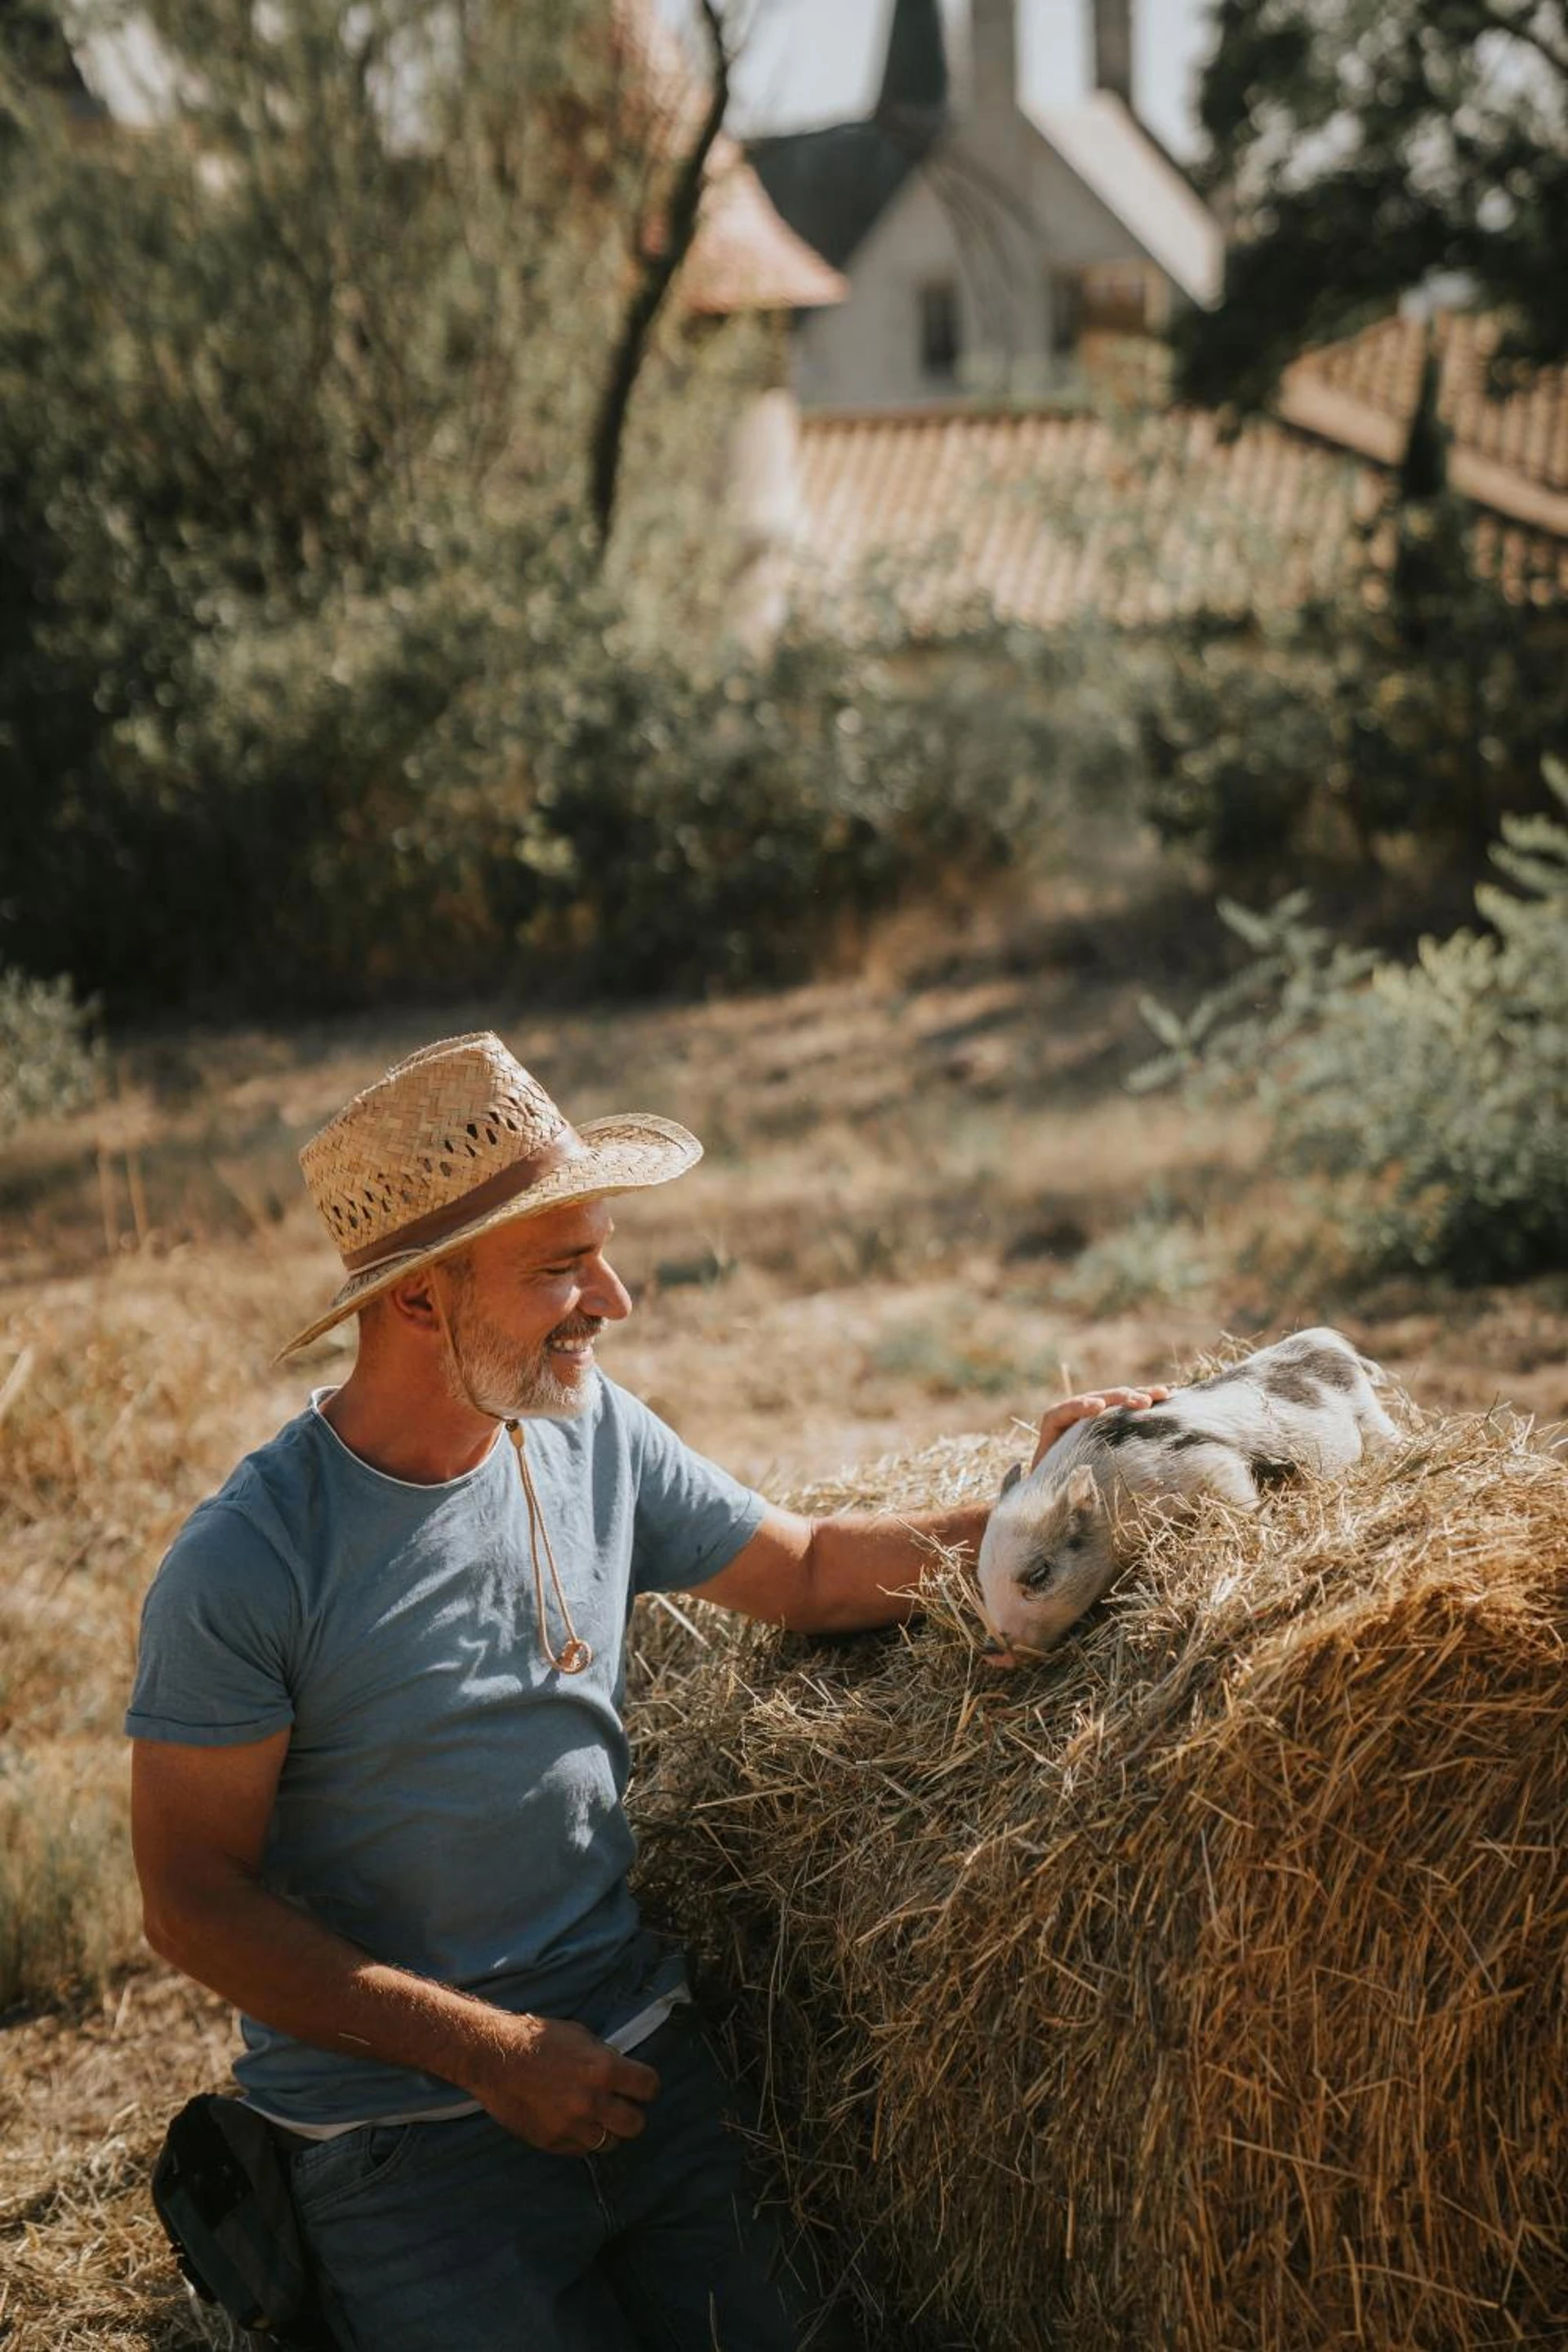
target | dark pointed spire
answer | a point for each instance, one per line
(914, 80)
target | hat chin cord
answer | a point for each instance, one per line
(574, 1654)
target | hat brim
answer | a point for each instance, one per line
(630, 1152)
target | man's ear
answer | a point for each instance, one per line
(1083, 1494)
(413, 1300)
(1010, 1478)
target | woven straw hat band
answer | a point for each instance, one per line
(491, 1195)
(455, 1130)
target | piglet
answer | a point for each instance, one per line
(1051, 1545)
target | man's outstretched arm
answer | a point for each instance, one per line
(860, 1569)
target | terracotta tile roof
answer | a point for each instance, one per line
(744, 256)
(1510, 454)
(1047, 517)
(1050, 517)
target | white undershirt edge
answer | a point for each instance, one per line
(624, 2037)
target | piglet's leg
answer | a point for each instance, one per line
(1225, 1470)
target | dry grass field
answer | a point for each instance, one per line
(926, 1207)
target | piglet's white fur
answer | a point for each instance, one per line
(1050, 1549)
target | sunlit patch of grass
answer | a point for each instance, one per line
(68, 1907)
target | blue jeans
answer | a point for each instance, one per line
(455, 2237)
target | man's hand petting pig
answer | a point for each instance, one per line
(1058, 1418)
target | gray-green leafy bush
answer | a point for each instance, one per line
(49, 1059)
(1434, 1092)
(1156, 1259)
(726, 826)
(1386, 719)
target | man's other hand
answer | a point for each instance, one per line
(1058, 1418)
(559, 2087)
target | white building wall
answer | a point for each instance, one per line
(867, 351)
(957, 218)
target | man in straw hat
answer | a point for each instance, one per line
(379, 1759)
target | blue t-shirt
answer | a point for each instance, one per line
(449, 1801)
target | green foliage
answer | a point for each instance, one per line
(724, 828)
(295, 395)
(1367, 143)
(1418, 704)
(48, 1057)
(1436, 1092)
(313, 687)
(1411, 698)
(1156, 1259)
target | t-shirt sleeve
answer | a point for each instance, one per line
(691, 1517)
(216, 1634)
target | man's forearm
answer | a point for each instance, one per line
(866, 1567)
(279, 1965)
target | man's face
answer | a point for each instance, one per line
(525, 1304)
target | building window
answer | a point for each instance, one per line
(1116, 297)
(941, 341)
(1065, 296)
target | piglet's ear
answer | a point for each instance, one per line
(1082, 1492)
(1010, 1478)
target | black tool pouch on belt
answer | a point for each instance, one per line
(221, 2187)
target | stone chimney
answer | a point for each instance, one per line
(1113, 48)
(993, 62)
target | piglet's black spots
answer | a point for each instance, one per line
(1335, 1371)
(1266, 1473)
(1288, 1372)
(1291, 1383)
(1121, 1425)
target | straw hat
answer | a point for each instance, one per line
(454, 1139)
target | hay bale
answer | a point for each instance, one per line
(1201, 1986)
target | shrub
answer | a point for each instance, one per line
(725, 827)
(295, 388)
(1436, 1091)
(48, 1059)
(1417, 705)
(1155, 1259)
(311, 687)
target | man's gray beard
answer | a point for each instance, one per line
(491, 1375)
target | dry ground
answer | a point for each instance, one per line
(926, 1207)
